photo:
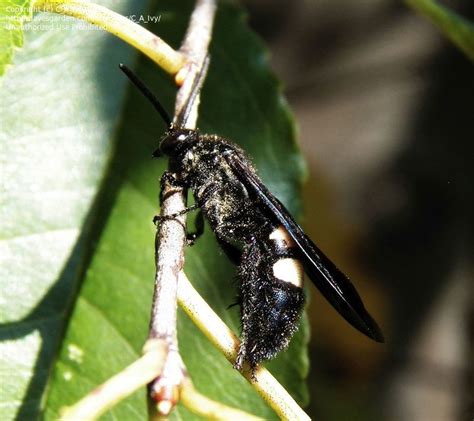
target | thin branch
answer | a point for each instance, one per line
(171, 237)
(202, 405)
(148, 43)
(136, 375)
(170, 242)
(195, 48)
(455, 27)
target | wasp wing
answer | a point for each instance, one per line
(333, 284)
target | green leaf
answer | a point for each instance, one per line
(108, 326)
(60, 104)
(458, 29)
(13, 13)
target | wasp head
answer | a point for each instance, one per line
(174, 141)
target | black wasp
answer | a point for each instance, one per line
(259, 235)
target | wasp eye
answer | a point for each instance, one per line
(177, 140)
(168, 143)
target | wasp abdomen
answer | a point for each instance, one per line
(271, 297)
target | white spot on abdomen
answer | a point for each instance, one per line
(281, 234)
(289, 270)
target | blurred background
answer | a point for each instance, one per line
(385, 107)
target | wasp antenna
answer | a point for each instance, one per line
(182, 117)
(147, 93)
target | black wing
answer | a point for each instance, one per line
(333, 284)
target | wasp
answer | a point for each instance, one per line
(259, 235)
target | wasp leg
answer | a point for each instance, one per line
(192, 236)
(160, 218)
(169, 178)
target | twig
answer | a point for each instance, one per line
(171, 238)
(170, 242)
(148, 43)
(210, 409)
(454, 26)
(136, 375)
(195, 48)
